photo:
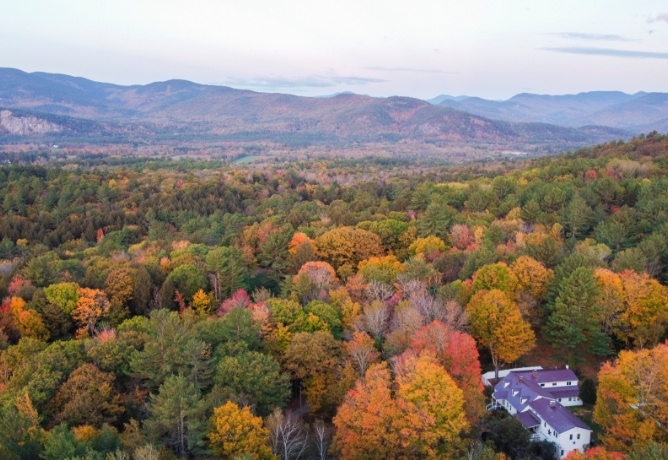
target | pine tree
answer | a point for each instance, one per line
(172, 347)
(177, 415)
(227, 271)
(577, 217)
(575, 323)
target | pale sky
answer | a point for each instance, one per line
(419, 48)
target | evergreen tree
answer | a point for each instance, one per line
(577, 217)
(227, 271)
(575, 322)
(177, 416)
(171, 347)
(255, 379)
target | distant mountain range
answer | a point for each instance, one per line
(636, 113)
(43, 104)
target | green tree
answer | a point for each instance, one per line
(177, 416)
(575, 323)
(171, 348)
(60, 444)
(186, 279)
(20, 432)
(274, 252)
(236, 327)
(227, 271)
(436, 220)
(255, 379)
(39, 369)
(577, 217)
(315, 360)
(64, 295)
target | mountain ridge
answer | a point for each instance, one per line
(634, 112)
(183, 108)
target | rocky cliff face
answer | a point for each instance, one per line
(25, 125)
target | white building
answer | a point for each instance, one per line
(537, 399)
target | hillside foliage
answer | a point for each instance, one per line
(329, 309)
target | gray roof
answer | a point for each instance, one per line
(558, 417)
(549, 375)
(528, 419)
(519, 392)
(565, 392)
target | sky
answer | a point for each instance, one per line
(419, 48)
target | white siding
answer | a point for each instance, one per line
(559, 384)
(574, 401)
(563, 440)
(569, 441)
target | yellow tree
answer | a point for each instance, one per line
(428, 246)
(632, 398)
(119, 286)
(645, 316)
(236, 431)
(16, 306)
(456, 352)
(347, 247)
(92, 306)
(202, 303)
(431, 407)
(30, 324)
(533, 280)
(610, 297)
(497, 324)
(384, 269)
(495, 276)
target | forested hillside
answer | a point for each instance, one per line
(60, 109)
(328, 308)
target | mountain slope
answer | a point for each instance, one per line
(609, 108)
(191, 109)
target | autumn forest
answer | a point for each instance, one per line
(329, 308)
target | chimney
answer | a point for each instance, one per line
(521, 378)
(566, 366)
(534, 374)
(553, 404)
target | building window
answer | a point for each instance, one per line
(571, 437)
(562, 452)
(554, 384)
(568, 383)
(578, 435)
(542, 384)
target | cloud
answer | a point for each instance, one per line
(405, 69)
(309, 81)
(659, 17)
(609, 52)
(593, 37)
